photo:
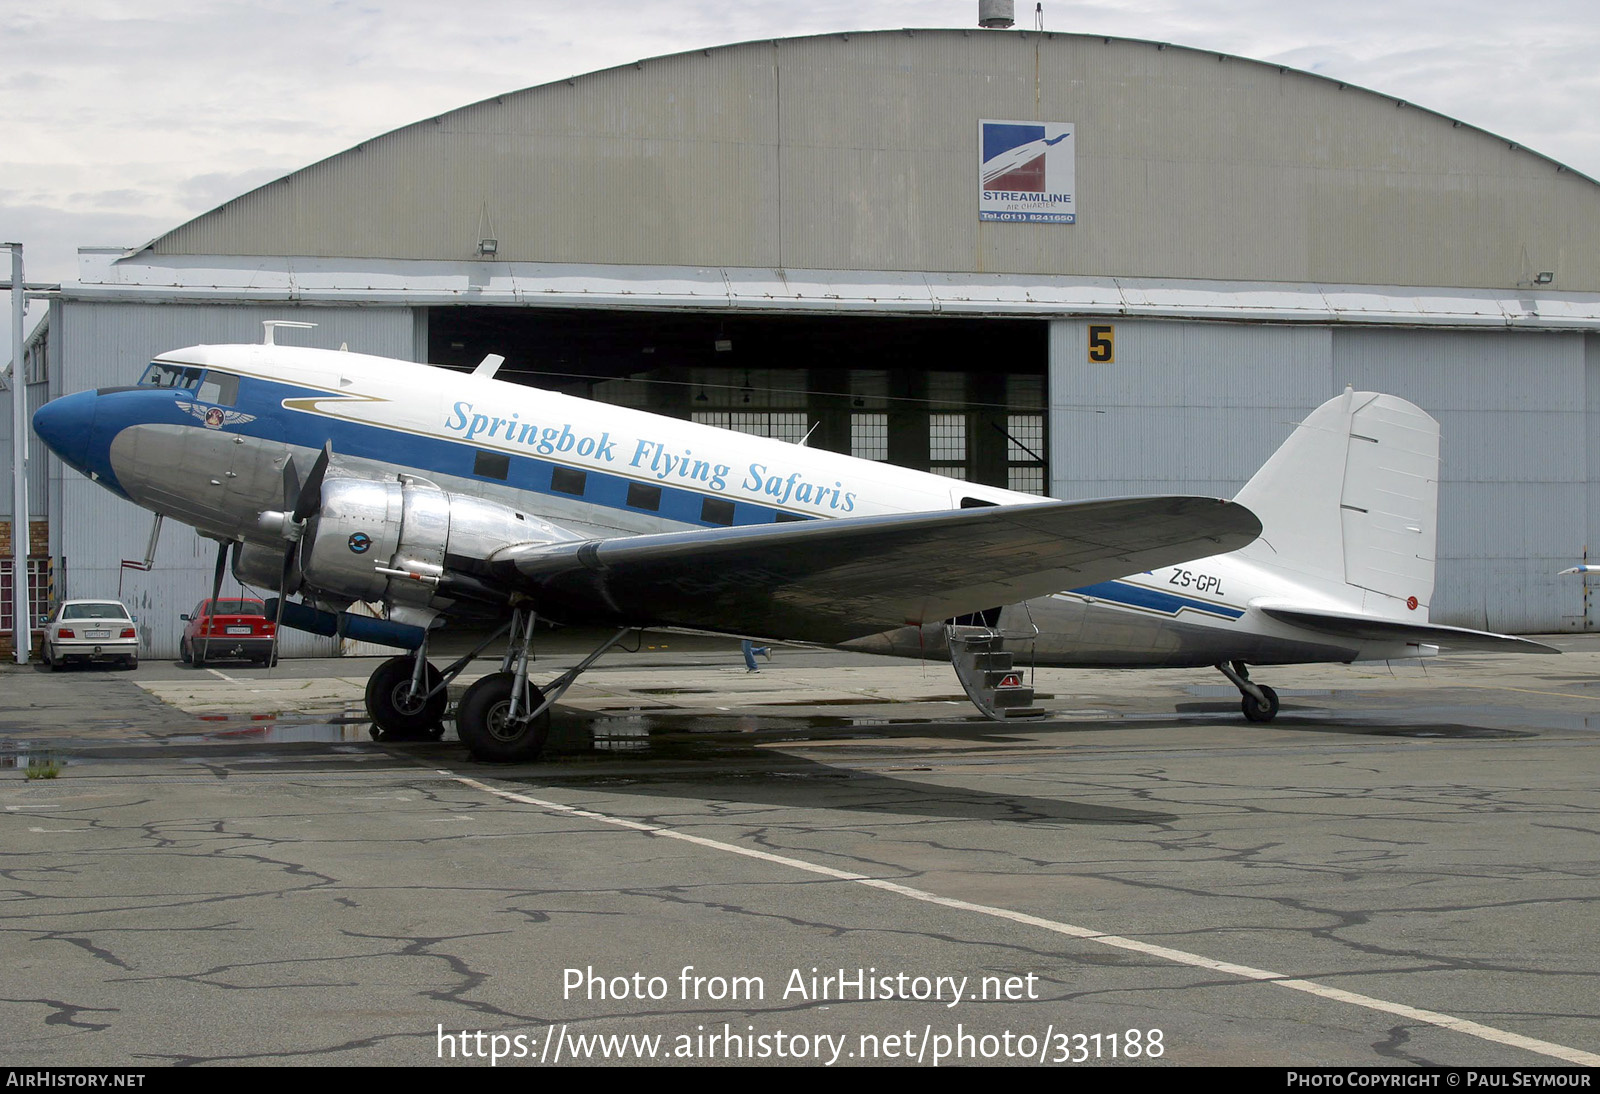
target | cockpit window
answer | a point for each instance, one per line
(219, 387)
(160, 375)
(209, 386)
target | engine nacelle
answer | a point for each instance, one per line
(388, 541)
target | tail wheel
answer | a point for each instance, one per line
(391, 705)
(1257, 711)
(485, 726)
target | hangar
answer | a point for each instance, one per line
(823, 237)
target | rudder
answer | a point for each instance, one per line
(1351, 500)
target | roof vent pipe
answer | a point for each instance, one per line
(996, 14)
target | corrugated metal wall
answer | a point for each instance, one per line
(1513, 490)
(92, 530)
(1197, 407)
(859, 152)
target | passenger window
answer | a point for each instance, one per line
(716, 511)
(641, 495)
(494, 465)
(567, 480)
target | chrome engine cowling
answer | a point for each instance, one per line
(388, 541)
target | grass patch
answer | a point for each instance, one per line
(42, 768)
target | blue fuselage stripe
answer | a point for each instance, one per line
(1130, 595)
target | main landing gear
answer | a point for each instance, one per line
(502, 718)
(1259, 702)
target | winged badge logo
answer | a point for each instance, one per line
(215, 417)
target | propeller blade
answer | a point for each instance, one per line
(291, 483)
(222, 567)
(216, 591)
(310, 497)
(277, 615)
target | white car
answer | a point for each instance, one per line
(91, 630)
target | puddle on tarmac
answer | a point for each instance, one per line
(25, 759)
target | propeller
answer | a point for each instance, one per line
(216, 591)
(306, 499)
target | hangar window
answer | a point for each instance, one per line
(947, 445)
(716, 511)
(492, 465)
(1025, 453)
(869, 436)
(569, 480)
(782, 425)
(641, 495)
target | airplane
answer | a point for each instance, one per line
(451, 498)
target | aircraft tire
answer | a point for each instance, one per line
(482, 726)
(389, 707)
(1255, 711)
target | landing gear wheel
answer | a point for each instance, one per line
(391, 706)
(482, 723)
(1257, 711)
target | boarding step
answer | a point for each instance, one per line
(988, 674)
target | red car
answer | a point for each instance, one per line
(236, 629)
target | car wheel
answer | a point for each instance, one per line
(184, 653)
(50, 662)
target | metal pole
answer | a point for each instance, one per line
(22, 630)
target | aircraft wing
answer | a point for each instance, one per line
(1370, 628)
(833, 580)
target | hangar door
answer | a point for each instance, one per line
(964, 398)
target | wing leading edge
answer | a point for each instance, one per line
(830, 581)
(1370, 628)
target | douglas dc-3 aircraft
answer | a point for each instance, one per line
(440, 496)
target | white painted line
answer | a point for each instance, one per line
(1166, 953)
(224, 675)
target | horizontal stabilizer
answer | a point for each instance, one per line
(833, 580)
(1372, 628)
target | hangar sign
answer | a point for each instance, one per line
(1026, 172)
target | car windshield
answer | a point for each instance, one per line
(238, 607)
(94, 611)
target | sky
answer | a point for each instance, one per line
(120, 120)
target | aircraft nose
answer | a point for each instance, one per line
(66, 425)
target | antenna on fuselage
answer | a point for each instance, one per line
(272, 325)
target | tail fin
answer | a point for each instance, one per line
(1350, 501)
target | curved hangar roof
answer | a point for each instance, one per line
(860, 152)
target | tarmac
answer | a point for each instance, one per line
(832, 861)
